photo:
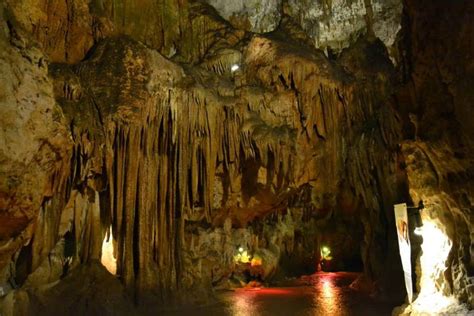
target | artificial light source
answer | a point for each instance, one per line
(234, 68)
(243, 256)
(326, 253)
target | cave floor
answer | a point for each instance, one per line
(318, 294)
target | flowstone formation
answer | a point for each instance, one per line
(204, 155)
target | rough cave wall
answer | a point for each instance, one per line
(186, 159)
(436, 102)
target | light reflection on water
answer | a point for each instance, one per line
(328, 298)
(315, 295)
(323, 294)
(244, 305)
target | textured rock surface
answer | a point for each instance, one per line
(436, 68)
(255, 16)
(146, 110)
(34, 143)
(64, 28)
(337, 24)
(444, 183)
(89, 290)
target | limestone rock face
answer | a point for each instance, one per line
(387, 21)
(255, 16)
(64, 28)
(34, 142)
(337, 24)
(68, 29)
(445, 185)
(438, 150)
(90, 290)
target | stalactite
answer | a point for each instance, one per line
(163, 131)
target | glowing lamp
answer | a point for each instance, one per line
(234, 68)
(326, 253)
(241, 249)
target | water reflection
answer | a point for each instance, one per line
(244, 303)
(327, 297)
(323, 294)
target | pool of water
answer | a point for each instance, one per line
(318, 294)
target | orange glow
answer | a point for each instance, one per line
(256, 261)
(327, 289)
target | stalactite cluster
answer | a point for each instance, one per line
(187, 139)
(155, 141)
(158, 146)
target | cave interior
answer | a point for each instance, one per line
(157, 153)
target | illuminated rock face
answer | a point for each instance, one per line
(442, 269)
(336, 24)
(34, 141)
(439, 159)
(256, 15)
(188, 159)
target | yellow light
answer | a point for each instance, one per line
(244, 257)
(107, 259)
(325, 253)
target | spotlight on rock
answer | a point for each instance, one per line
(234, 68)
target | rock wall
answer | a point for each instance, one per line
(437, 149)
(35, 143)
(337, 24)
